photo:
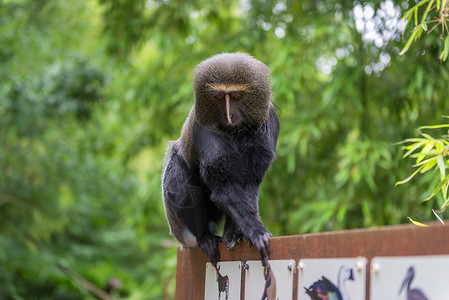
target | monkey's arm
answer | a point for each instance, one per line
(229, 171)
(187, 205)
(236, 203)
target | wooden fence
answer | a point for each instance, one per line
(389, 241)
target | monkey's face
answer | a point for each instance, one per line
(231, 89)
(228, 103)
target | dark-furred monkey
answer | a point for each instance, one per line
(227, 143)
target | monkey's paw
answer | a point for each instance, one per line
(260, 239)
(231, 240)
(209, 245)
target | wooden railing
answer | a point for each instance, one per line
(389, 241)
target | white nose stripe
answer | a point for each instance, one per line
(227, 109)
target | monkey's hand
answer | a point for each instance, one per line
(209, 245)
(232, 234)
(232, 239)
(260, 239)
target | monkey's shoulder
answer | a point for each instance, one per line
(197, 142)
(272, 124)
(186, 143)
(249, 142)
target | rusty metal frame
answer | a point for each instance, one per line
(400, 240)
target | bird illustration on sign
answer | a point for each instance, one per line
(269, 291)
(223, 284)
(415, 293)
(324, 289)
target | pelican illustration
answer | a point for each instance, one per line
(412, 294)
(324, 289)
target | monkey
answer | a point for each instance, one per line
(214, 170)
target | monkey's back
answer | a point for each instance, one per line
(185, 143)
(186, 198)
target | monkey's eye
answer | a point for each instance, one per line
(236, 96)
(219, 96)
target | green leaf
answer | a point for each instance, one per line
(441, 166)
(416, 16)
(410, 177)
(426, 12)
(435, 191)
(417, 223)
(434, 126)
(424, 152)
(438, 217)
(410, 40)
(445, 52)
(443, 5)
(408, 141)
(429, 165)
(424, 26)
(413, 148)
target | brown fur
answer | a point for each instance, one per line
(232, 71)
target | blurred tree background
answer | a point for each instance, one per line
(92, 91)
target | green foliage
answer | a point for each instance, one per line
(92, 91)
(74, 87)
(425, 13)
(430, 154)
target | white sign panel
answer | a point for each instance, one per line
(224, 282)
(336, 278)
(274, 282)
(410, 277)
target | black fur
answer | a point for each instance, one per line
(226, 180)
(214, 172)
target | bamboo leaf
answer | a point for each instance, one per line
(410, 177)
(441, 166)
(426, 12)
(445, 52)
(435, 191)
(420, 3)
(417, 223)
(445, 204)
(416, 16)
(438, 217)
(429, 165)
(425, 151)
(434, 126)
(443, 5)
(427, 136)
(445, 192)
(412, 149)
(424, 26)
(409, 141)
(420, 31)
(410, 40)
